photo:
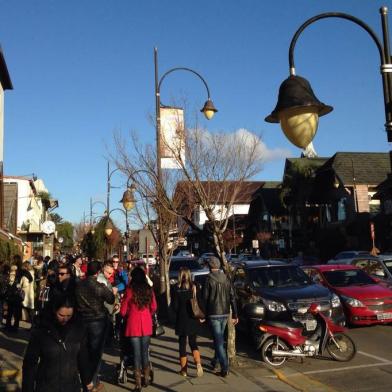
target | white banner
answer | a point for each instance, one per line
(172, 137)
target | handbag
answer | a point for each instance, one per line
(197, 312)
(157, 328)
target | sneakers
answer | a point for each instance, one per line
(224, 373)
(199, 370)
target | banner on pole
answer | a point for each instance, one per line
(172, 137)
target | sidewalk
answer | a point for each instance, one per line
(250, 376)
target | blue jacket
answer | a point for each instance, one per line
(121, 280)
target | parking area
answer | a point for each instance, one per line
(370, 370)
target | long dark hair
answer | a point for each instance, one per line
(142, 292)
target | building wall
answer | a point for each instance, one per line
(220, 212)
(30, 211)
(362, 194)
(1, 122)
(10, 207)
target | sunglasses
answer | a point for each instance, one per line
(63, 273)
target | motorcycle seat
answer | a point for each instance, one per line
(283, 324)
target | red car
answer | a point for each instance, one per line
(364, 300)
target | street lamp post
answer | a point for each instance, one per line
(109, 225)
(92, 204)
(298, 108)
(109, 176)
(208, 109)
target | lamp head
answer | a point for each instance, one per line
(108, 228)
(128, 199)
(209, 109)
(298, 111)
(93, 231)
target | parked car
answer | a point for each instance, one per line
(232, 257)
(185, 253)
(305, 260)
(386, 263)
(276, 291)
(177, 262)
(149, 259)
(349, 254)
(248, 256)
(379, 267)
(364, 300)
(203, 259)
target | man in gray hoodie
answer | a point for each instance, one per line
(218, 297)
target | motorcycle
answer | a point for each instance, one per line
(287, 339)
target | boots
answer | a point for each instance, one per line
(196, 357)
(138, 381)
(184, 366)
(146, 380)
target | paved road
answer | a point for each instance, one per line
(370, 370)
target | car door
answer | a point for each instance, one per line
(241, 288)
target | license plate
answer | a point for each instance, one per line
(384, 316)
(310, 325)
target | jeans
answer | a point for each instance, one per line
(218, 326)
(96, 336)
(140, 346)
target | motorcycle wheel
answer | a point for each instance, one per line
(266, 353)
(341, 347)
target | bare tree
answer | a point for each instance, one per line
(211, 171)
(138, 162)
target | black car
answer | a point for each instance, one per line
(274, 290)
(178, 262)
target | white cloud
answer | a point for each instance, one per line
(264, 153)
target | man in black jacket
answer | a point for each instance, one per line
(218, 296)
(90, 297)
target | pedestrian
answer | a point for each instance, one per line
(4, 274)
(57, 355)
(120, 275)
(15, 294)
(39, 270)
(106, 276)
(138, 307)
(76, 268)
(65, 282)
(218, 297)
(47, 285)
(186, 324)
(90, 298)
(28, 304)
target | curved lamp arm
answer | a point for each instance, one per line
(184, 69)
(384, 52)
(332, 15)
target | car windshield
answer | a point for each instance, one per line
(278, 277)
(175, 265)
(343, 278)
(388, 264)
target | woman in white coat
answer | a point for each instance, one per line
(28, 287)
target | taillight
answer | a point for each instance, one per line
(263, 328)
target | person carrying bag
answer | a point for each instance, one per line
(187, 320)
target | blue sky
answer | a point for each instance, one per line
(84, 69)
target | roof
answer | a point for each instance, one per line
(220, 192)
(369, 168)
(5, 79)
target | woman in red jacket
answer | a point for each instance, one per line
(137, 308)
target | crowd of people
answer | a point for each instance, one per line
(74, 306)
